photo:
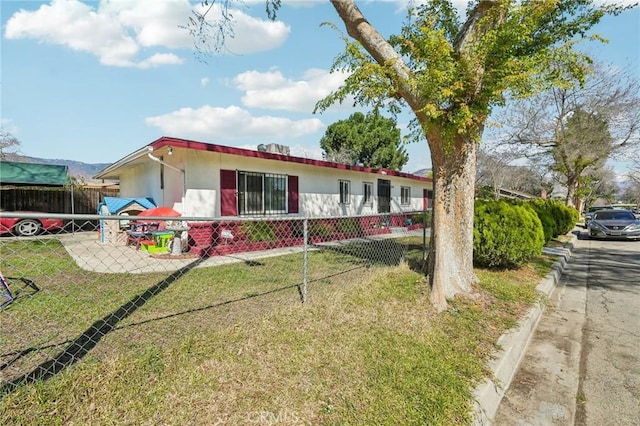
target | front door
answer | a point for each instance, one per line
(384, 196)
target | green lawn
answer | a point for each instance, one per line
(233, 344)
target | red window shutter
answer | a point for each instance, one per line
(425, 199)
(228, 193)
(293, 194)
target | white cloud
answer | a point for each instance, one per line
(231, 123)
(118, 31)
(272, 90)
(77, 26)
(7, 126)
(154, 23)
(255, 35)
(204, 82)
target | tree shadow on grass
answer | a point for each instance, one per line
(361, 252)
(79, 347)
(379, 252)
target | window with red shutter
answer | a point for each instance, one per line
(293, 194)
(228, 193)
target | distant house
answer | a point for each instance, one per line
(208, 180)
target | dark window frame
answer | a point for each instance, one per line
(344, 191)
(405, 195)
(367, 193)
(262, 194)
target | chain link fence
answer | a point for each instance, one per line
(68, 281)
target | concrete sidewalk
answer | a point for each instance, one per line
(489, 394)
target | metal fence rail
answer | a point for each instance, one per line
(65, 289)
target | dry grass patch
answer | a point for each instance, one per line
(220, 347)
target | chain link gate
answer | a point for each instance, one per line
(67, 287)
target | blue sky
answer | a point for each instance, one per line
(94, 81)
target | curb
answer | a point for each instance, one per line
(488, 394)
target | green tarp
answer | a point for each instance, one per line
(32, 174)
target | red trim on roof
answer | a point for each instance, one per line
(202, 146)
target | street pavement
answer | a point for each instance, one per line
(582, 365)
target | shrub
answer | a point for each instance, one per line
(564, 217)
(545, 216)
(419, 218)
(349, 225)
(505, 235)
(259, 231)
(320, 229)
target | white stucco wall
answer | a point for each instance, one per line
(318, 186)
(143, 180)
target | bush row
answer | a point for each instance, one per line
(509, 233)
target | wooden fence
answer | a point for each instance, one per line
(54, 200)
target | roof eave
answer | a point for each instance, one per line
(112, 171)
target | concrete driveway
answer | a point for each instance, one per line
(91, 255)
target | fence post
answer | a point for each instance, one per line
(305, 259)
(73, 211)
(424, 235)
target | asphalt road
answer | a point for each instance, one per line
(582, 366)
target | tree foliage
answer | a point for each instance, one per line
(582, 141)
(451, 74)
(371, 140)
(576, 129)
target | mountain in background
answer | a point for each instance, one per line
(86, 171)
(77, 169)
(423, 172)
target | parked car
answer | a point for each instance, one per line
(27, 226)
(614, 223)
(588, 214)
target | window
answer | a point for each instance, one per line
(367, 191)
(261, 193)
(344, 191)
(161, 174)
(405, 195)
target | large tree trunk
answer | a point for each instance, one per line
(572, 185)
(571, 193)
(451, 249)
(454, 162)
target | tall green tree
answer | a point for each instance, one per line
(372, 140)
(451, 74)
(583, 142)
